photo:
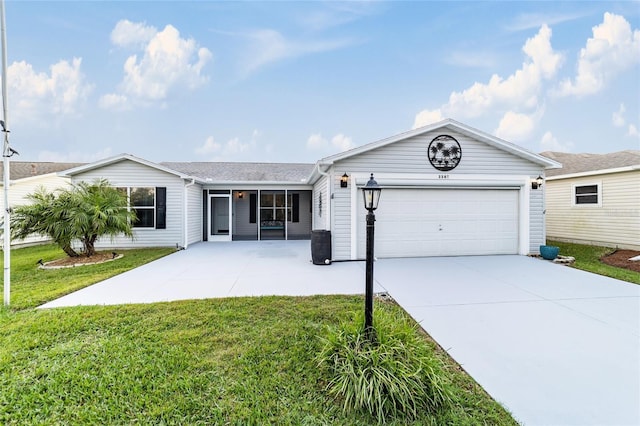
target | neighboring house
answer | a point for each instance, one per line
(595, 199)
(448, 190)
(25, 178)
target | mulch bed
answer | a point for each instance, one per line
(99, 257)
(620, 259)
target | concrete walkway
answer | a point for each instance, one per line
(233, 269)
(554, 345)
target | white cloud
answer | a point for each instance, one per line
(233, 149)
(618, 117)
(115, 101)
(268, 46)
(342, 142)
(619, 120)
(333, 14)
(339, 142)
(167, 61)
(33, 94)
(210, 146)
(612, 49)
(517, 91)
(316, 142)
(426, 117)
(515, 127)
(127, 33)
(551, 143)
(234, 146)
(528, 21)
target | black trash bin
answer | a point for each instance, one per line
(321, 247)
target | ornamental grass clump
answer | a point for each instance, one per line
(392, 376)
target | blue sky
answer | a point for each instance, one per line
(297, 81)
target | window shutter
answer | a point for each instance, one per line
(205, 199)
(253, 204)
(161, 208)
(295, 208)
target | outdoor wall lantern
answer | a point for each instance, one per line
(537, 184)
(371, 193)
(240, 195)
(344, 180)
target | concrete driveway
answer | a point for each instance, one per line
(554, 345)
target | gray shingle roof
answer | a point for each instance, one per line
(579, 163)
(25, 169)
(244, 172)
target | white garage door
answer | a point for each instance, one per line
(443, 222)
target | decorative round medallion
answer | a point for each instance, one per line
(444, 153)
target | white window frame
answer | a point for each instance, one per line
(597, 184)
(130, 207)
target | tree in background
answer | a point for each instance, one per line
(83, 212)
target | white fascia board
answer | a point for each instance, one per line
(595, 172)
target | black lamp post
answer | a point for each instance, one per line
(371, 193)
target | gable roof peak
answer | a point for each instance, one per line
(118, 158)
(453, 125)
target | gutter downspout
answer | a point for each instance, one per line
(185, 242)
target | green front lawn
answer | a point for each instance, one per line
(238, 361)
(31, 286)
(588, 259)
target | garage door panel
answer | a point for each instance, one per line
(443, 222)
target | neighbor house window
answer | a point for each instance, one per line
(587, 194)
(149, 204)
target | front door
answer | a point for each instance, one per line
(219, 217)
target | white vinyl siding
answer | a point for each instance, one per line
(320, 204)
(19, 189)
(194, 213)
(128, 173)
(537, 229)
(341, 216)
(409, 157)
(615, 223)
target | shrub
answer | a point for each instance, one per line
(84, 212)
(394, 375)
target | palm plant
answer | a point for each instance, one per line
(84, 213)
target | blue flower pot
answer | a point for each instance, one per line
(549, 252)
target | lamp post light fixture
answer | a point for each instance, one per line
(371, 193)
